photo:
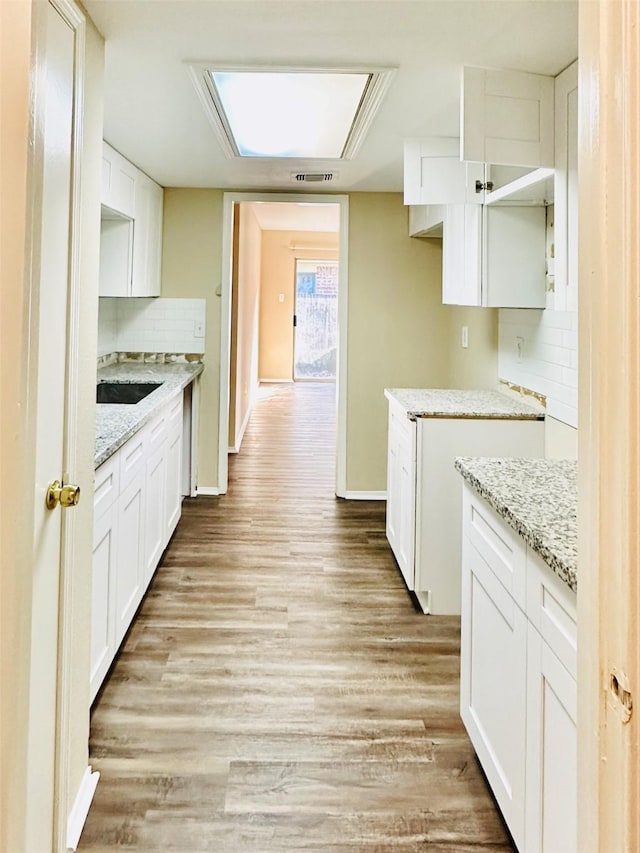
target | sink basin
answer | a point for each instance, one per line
(124, 392)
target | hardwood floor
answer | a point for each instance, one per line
(278, 690)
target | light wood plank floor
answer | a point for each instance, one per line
(278, 690)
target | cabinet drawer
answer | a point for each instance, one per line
(106, 485)
(551, 608)
(132, 458)
(502, 548)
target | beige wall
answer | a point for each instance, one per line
(399, 332)
(17, 429)
(278, 276)
(191, 266)
(247, 316)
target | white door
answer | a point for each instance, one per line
(54, 440)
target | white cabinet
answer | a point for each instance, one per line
(137, 504)
(401, 490)
(103, 587)
(494, 256)
(518, 696)
(173, 489)
(507, 117)
(566, 191)
(147, 241)
(131, 229)
(493, 702)
(426, 220)
(118, 182)
(423, 493)
(130, 542)
(434, 173)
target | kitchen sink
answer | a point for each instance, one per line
(124, 392)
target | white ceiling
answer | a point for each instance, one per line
(153, 115)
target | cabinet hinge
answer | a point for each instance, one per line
(488, 186)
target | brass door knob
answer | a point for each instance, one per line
(64, 495)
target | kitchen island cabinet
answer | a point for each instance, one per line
(428, 428)
(518, 697)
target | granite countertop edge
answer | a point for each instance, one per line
(459, 403)
(116, 424)
(565, 568)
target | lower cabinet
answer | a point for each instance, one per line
(518, 687)
(423, 493)
(137, 505)
(401, 490)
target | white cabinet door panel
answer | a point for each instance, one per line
(129, 586)
(401, 490)
(462, 255)
(507, 117)
(552, 769)
(434, 173)
(103, 640)
(566, 191)
(154, 528)
(493, 699)
(173, 489)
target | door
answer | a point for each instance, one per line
(52, 403)
(316, 320)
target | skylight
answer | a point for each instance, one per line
(274, 114)
(290, 112)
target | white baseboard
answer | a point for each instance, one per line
(207, 490)
(240, 435)
(80, 810)
(365, 496)
(275, 381)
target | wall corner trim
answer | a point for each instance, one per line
(207, 490)
(80, 809)
(365, 496)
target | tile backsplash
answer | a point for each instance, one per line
(538, 350)
(151, 325)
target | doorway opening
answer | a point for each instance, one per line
(274, 331)
(315, 323)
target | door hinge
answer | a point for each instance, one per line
(488, 186)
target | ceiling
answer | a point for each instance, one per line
(154, 117)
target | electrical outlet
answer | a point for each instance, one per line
(465, 337)
(519, 348)
(198, 328)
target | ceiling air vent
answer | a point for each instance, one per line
(312, 177)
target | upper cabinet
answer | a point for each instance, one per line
(507, 118)
(131, 229)
(566, 191)
(434, 173)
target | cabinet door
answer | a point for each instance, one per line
(493, 684)
(118, 182)
(507, 117)
(462, 255)
(155, 528)
(434, 173)
(173, 492)
(566, 191)
(401, 492)
(103, 584)
(552, 769)
(139, 275)
(154, 242)
(513, 257)
(129, 570)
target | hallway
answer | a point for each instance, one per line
(278, 690)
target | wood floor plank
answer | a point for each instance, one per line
(280, 690)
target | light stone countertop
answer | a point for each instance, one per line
(116, 423)
(452, 403)
(539, 499)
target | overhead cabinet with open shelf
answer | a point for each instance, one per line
(131, 229)
(490, 190)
